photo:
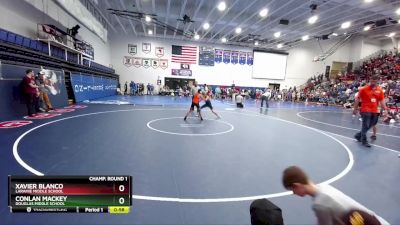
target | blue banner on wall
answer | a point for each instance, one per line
(227, 56)
(218, 55)
(88, 87)
(249, 58)
(242, 58)
(234, 57)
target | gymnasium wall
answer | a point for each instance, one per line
(222, 74)
(358, 48)
(22, 18)
(387, 44)
(299, 65)
(370, 47)
(356, 45)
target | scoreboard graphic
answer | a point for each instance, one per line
(70, 194)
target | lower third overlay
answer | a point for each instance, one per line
(70, 194)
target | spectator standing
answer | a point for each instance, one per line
(265, 97)
(42, 83)
(239, 101)
(126, 88)
(131, 84)
(148, 88)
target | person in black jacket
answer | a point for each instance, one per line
(264, 212)
(126, 88)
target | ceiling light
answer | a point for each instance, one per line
(368, 1)
(223, 40)
(238, 30)
(196, 37)
(334, 34)
(221, 6)
(263, 12)
(391, 34)
(148, 18)
(313, 19)
(206, 26)
(305, 37)
(398, 11)
(367, 28)
(256, 43)
(279, 46)
(346, 25)
(150, 32)
(277, 34)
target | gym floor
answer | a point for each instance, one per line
(193, 172)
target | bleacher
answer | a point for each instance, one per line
(15, 47)
(342, 91)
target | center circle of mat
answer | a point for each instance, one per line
(190, 127)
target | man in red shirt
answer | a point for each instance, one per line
(370, 96)
(30, 91)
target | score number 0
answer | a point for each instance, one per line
(121, 200)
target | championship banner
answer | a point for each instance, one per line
(218, 55)
(183, 73)
(137, 62)
(206, 56)
(132, 49)
(155, 63)
(227, 56)
(127, 61)
(164, 63)
(249, 58)
(146, 47)
(159, 52)
(242, 58)
(146, 63)
(234, 57)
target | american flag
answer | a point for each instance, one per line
(184, 54)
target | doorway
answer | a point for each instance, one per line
(274, 86)
(175, 83)
(68, 85)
